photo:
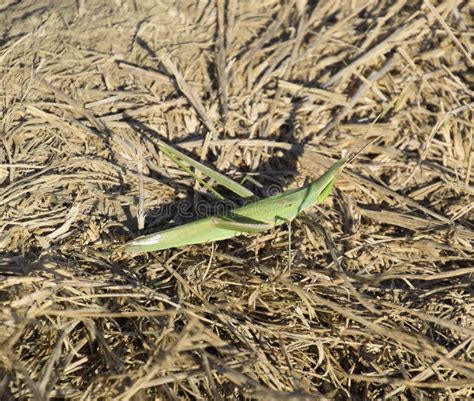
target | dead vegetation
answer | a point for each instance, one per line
(378, 300)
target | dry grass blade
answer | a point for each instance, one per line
(193, 98)
(221, 57)
(411, 383)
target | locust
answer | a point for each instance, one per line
(253, 217)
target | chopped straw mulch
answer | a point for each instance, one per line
(377, 299)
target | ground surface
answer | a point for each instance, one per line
(378, 298)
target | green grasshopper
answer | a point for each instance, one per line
(254, 217)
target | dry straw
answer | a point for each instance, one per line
(378, 301)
